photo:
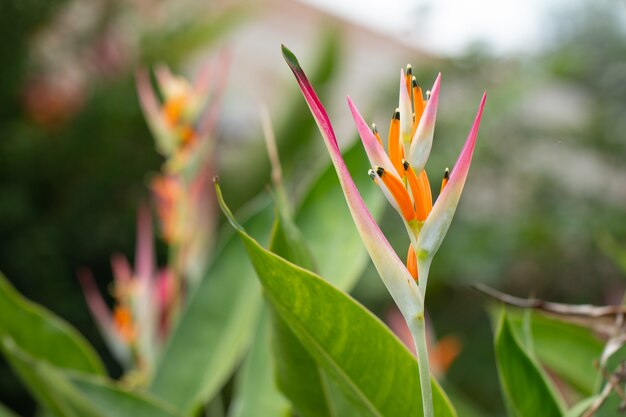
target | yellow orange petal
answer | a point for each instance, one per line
(187, 134)
(123, 320)
(420, 189)
(398, 192)
(393, 142)
(418, 103)
(411, 262)
(173, 109)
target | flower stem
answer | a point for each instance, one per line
(418, 330)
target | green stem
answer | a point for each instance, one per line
(418, 330)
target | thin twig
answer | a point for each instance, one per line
(605, 320)
(606, 391)
(615, 379)
(583, 310)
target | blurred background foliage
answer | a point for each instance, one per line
(546, 193)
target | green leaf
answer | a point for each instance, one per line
(325, 221)
(43, 334)
(46, 384)
(610, 407)
(465, 406)
(257, 393)
(215, 329)
(297, 374)
(357, 352)
(613, 402)
(113, 400)
(527, 390)
(566, 349)
(286, 240)
(70, 393)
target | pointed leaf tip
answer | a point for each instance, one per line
(225, 209)
(290, 58)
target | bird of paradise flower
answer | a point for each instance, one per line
(402, 178)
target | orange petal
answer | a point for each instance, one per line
(420, 189)
(173, 109)
(427, 195)
(123, 319)
(411, 262)
(418, 103)
(393, 142)
(398, 192)
(187, 134)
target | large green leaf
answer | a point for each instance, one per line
(356, 351)
(215, 329)
(70, 393)
(567, 349)
(527, 390)
(326, 223)
(46, 383)
(297, 373)
(42, 334)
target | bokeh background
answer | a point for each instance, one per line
(543, 212)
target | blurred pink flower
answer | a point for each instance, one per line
(135, 327)
(182, 125)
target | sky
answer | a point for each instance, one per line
(449, 26)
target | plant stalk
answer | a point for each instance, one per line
(418, 330)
